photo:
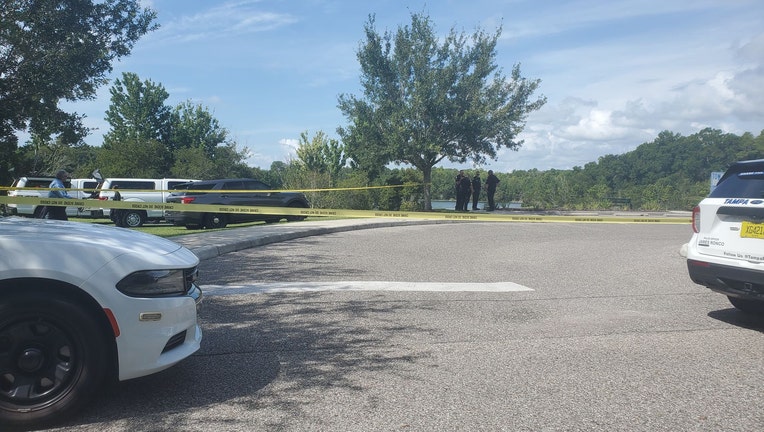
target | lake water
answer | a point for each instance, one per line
(449, 205)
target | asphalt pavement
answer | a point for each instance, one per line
(208, 245)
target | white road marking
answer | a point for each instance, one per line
(297, 287)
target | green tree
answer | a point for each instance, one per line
(58, 50)
(140, 129)
(425, 101)
(226, 161)
(321, 154)
(137, 111)
(192, 125)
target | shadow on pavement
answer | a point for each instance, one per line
(263, 352)
(738, 318)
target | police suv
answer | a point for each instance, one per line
(726, 251)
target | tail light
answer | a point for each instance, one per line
(103, 198)
(696, 219)
(187, 200)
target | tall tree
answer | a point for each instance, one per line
(321, 154)
(140, 121)
(425, 101)
(192, 125)
(137, 111)
(59, 50)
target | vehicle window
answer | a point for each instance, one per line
(195, 187)
(90, 186)
(234, 185)
(256, 185)
(132, 184)
(40, 183)
(172, 184)
(741, 185)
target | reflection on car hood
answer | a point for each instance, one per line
(47, 239)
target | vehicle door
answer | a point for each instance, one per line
(234, 193)
(262, 194)
(83, 190)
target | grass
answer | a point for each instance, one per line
(163, 229)
(167, 230)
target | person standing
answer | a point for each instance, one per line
(475, 190)
(57, 190)
(465, 186)
(491, 181)
(458, 189)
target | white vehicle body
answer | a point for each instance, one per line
(83, 265)
(726, 251)
(137, 190)
(42, 183)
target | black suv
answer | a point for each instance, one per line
(230, 192)
(726, 251)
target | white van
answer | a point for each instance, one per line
(38, 187)
(137, 190)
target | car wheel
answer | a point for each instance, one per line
(748, 306)
(296, 218)
(52, 358)
(116, 217)
(214, 220)
(132, 219)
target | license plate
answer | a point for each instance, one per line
(752, 230)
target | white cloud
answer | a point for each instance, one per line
(227, 20)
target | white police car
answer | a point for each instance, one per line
(726, 251)
(81, 304)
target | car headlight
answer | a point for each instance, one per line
(154, 283)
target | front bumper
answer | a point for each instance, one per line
(157, 333)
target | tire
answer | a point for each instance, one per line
(53, 358)
(214, 221)
(296, 218)
(116, 217)
(132, 218)
(755, 307)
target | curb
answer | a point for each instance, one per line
(214, 244)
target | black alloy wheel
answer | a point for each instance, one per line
(52, 358)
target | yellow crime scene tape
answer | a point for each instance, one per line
(342, 213)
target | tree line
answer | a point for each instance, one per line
(426, 100)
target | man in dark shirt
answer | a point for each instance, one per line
(475, 190)
(491, 181)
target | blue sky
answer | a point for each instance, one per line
(615, 73)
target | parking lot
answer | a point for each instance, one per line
(475, 326)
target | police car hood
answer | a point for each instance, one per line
(23, 240)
